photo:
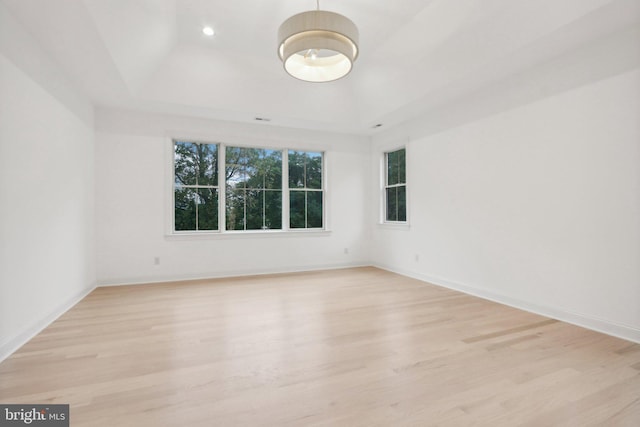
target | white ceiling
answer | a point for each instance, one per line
(151, 55)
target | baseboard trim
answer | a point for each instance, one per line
(12, 344)
(625, 332)
(225, 274)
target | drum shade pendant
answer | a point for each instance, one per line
(318, 46)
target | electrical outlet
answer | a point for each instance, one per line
(156, 260)
(417, 257)
(346, 251)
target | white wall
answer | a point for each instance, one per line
(46, 189)
(133, 196)
(537, 206)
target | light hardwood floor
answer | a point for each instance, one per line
(354, 347)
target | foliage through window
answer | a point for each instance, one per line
(396, 186)
(253, 189)
(195, 186)
(305, 189)
(251, 194)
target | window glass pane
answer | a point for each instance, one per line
(195, 164)
(235, 169)
(273, 210)
(232, 155)
(392, 168)
(314, 209)
(251, 159)
(392, 204)
(272, 169)
(264, 169)
(254, 199)
(313, 170)
(402, 166)
(185, 209)
(185, 164)
(296, 169)
(297, 209)
(402, 203)
(207, 164)
(263, 210)
(235, 209)
(207, 201)
(236, 177)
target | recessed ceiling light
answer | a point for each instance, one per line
(377, 126)
(208, 31)
(262, 119)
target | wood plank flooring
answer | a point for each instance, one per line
(353, 347)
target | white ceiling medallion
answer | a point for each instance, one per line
(318, 46)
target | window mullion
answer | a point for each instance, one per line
(264, 208)
(222, 188)
(397, 203)
(285, 190)
(195, 200)
(306, 206)
(244, 210)
(196, 188)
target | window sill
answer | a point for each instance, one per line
(394, 225)
(214, 235)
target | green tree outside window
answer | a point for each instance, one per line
(305, 189)
(396, 186)
(195, 186)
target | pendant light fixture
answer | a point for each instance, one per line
(318, 46)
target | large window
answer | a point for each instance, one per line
(305, 189)
(396, 186)
(195, 186)
(251, 194)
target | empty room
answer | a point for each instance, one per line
(320, 213)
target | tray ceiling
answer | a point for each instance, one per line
(416, 55)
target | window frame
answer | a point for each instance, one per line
(384, 178)
(222, 232)
(307, 190)
(217, 187)
(281, 190)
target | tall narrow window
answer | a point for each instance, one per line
(253, 189)
(396, 186)
(195, 186)
(305, 189)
